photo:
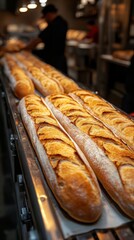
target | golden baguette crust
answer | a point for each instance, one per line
(72, 182)
(43, 83)
(20, 82)
(23, 88)
(110, 158)
(67, 84)
(118, 122)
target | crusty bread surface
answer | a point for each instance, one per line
(68, 84)
(49, 72)
(43, 83)
(117, 122)
(70, 179)
(21, 84)
(110, 158)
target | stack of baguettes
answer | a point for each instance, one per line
(75, 136)
(20, 82)
(67, 171)
(68, 84)
(42, 82)
(59, 83)
(111, 159)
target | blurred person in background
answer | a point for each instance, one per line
(54, 39)
(93, 31)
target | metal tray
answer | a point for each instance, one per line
(51, 220)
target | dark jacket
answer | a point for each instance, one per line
(54, 38)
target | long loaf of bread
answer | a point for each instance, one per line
(71, 180)
(43, 83)
(111, 160)
(20, 82)
(118, 122)
(67, 84)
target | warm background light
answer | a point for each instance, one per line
(23, 9)
(32, 5)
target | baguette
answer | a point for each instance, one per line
(67, 84)
(43, 83)
(117, 122)
(71, 180)
(21, 84)
(111, 160)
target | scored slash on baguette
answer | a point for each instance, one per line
(38, 70)
(43, 83)
(117, 122)
(111, 160)
(73, 183)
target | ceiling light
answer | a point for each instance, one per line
(32, 5)
(23, 8)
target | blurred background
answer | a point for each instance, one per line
(89, 62)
